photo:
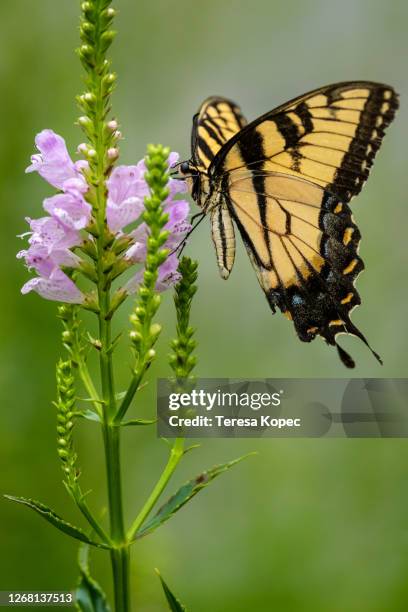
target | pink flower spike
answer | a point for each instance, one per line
(58, 287)
(53, 162)
(70, 209)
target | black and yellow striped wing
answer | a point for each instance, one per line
(303, 244)
(329, 137)
(286, 179)
(216, 122)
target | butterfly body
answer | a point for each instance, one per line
(285, 181)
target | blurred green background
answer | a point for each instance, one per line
(319, 525)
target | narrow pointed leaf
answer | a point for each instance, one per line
(90, 415)
(89, 596)
(53, 518)
(183, 495)
(136, 422)
(174, 603)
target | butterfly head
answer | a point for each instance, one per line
(188, 172)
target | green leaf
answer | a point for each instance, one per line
(183, 495)
(53, 518)
(90, 415)
(139, 422)
(89, 596)
(174, 603)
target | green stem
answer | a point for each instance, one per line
(111, 438)
(120, 552)
(130, 393)
(89, 386)
(176, 454)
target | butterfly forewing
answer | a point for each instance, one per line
(329, 137)
(216, 122)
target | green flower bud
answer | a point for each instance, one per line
(136, 338)
(85, 51)
(66, 336)
(144, 292)
(87, 26)
(86, 7)
(109, 79)
(156, 301)
(155, 331)
(85, 121)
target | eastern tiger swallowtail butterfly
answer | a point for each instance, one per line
(285, 181)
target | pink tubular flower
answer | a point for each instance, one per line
(49, 246)
(126, 191)
(53, 162)
(70, 209)
(58, 287)
(44, 262)
(138, 251)
(49, 232)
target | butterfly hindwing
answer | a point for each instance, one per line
(303, 244)
(216, 122)
(329, 137)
